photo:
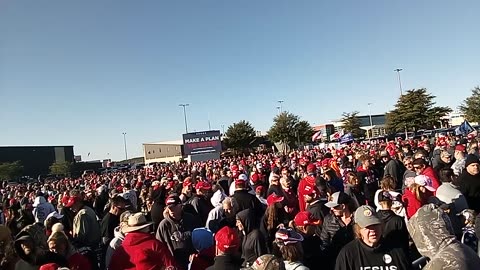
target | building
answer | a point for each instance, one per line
(167, 151)
(36, 160)
(378, 125)
(453, 119)
(326, 129)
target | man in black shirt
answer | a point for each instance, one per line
(112, 219)
(369, 250)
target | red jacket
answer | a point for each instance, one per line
(78, 262)
(141, 251)
(203, 259)
(307, 181)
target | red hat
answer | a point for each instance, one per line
(227, 239)
(234, 168)
(72, 201)
(239, 182)
(259, 189)
(311, 167)
(308, 190)
(64, 200)
(326, 162)
(203, 185)
(460, 147)
(187, 182)
(170, 185)
(306, 218)
(172, 200)
(49, 266)
(274, 198)
(254, 178)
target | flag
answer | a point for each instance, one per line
(464, 129)
(88, 154)
(337, 135)
(347, 138)
(317, 135)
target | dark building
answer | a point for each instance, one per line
(36, 159)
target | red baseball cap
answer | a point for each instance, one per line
(326, 162)
(227, 239)
(306, 218)
(187, 182)
(308, 190)
(274, 198)
(460, 147)
(203, 185)
(72, 200)
(311, 167)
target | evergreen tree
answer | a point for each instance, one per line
(239, 135)
(471, 106)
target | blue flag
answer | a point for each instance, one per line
(347, 138)
(464, 129)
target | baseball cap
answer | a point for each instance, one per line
(227, 240)
(308, 190)
(267, 262)
(305, 218)
(203, 185)
(311, 167)
(172, 200)
(72, 200)
(274, 198)
(243, 177)
(284, 237)
(460, 147)
(187, 182)
(337, 198)
(424, 181)
(366, 216)
(385, 196)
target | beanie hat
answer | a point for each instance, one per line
(202, 238)
(227, 239)
(471, 159)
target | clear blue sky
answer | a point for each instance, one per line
(82, 72)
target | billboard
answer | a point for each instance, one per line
(204, 145)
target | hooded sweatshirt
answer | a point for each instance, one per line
(217, 213)
(41, 209)
(253, 244)
(431, 230)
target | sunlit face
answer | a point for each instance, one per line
(239, 225)
(228, 209)
(371, 234)
(338, 210)
(285, 182)
(446, 158)
(175, 211)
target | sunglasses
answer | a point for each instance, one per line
(417, 167)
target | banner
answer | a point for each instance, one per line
(202, 146)
(464, 129)
(347, 138)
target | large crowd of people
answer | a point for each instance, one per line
(365, 206)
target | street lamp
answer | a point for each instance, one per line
(399, 80)
(280, 105)
(279, 108)
(125, 144)
(370, 116)
(185, 115)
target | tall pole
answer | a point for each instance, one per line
(370, 116)
(125, 144)
(278, 108)
(185, 115)
(223, 129)
(399, 80)
(280, 105)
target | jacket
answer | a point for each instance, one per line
(141, 251)
(412, 204)
(394, 230)
(431, 232)
(395, 169)
(470, 187)
(177, 236)
(368, 182)
(226, 262)
(335, 235)
(114, 244)
(307, 181)
(86, 228)
(253, 243)
(201, 206)
(242, 200)
(41, 209)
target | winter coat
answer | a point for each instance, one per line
(432, 234)
(141, 251)
(226, 262)
(395, 169)
(201, 207)
(41, 209)
(394, 230)
(368, 183)
(335, 235)
(114, 244)
(470, 187)
(242, 200)
(307, 181)
(253, 244)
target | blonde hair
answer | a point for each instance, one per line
(387, 183)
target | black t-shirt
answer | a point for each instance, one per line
(358, 256)
(107, 226)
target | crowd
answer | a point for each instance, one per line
(367, 206)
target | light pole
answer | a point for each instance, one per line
(223, 129)
(278, 108)
(280, 105)
(399, 80)
(125, 144)
(371, 123)
(185, 115)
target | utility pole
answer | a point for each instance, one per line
(185, 115)
(371, 123)
(280, 105)
(399, 80)
(125, 144)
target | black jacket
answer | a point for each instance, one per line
(253, 243)
(310, 246)
(226, 262)
(201, 206)
(242, 200)
(357, 255)
(470, 188)
(335, 235)
(395, 230)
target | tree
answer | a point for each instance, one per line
(239, 135)
(351, 124)
(61, 168)
(415, 110)
(11, 170)
(471, 106)
(290, 130)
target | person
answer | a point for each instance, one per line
(433, 236)
(395, 228)
(417, 194)
(41, 208)
(289, 243)
(409, 170)
(308, 180)
(203, 242)
(175, 231)
(289, 195)
(311, 195)
(140, 250)
(242, 199)
(422, 168)
(352, 189)
(131, 195)
(50, 220)
(8, 257)
(307, 225)
(393, 168)
(448, 192)
(369, 250)
(58, 243)
(388, 184)
(118, 238)
(469, 182)
(253, 243)
(274, 217)
(459, 156)
(337, 228)
(469, 236)
(368, 179)
(274, 184)
(112, 219)
(200, 200)
(444, 162)
(227, 244)
(31, 247)
(217, 213)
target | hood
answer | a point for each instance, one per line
(202, 238)
(217, 198)
(431, 230)
(247, 218)
(39, 200)
(34, 233)
(136, 238)
(117, 233)
(386, 215)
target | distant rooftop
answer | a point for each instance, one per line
(176, 142)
